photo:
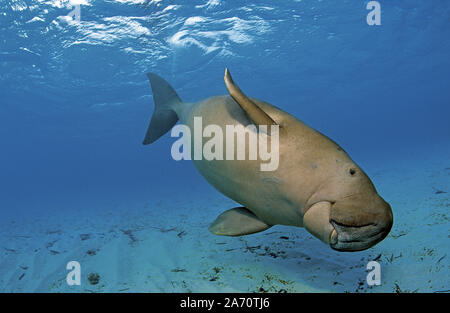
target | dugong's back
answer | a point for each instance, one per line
(262, 192)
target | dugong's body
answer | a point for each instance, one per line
(316, 184)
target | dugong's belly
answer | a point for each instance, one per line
(262, 192)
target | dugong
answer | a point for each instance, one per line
(316, 184)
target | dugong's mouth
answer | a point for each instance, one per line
(359, 222)
(356, 238)
(347, 232)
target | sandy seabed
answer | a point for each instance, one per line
(147, 249)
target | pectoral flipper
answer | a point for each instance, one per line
(237, 222)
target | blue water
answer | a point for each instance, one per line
(75, 101)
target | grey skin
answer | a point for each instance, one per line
(316, 185)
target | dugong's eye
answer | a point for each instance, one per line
(352, 171)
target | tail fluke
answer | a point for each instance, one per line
(164, 117)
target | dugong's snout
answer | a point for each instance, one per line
(359, 222)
